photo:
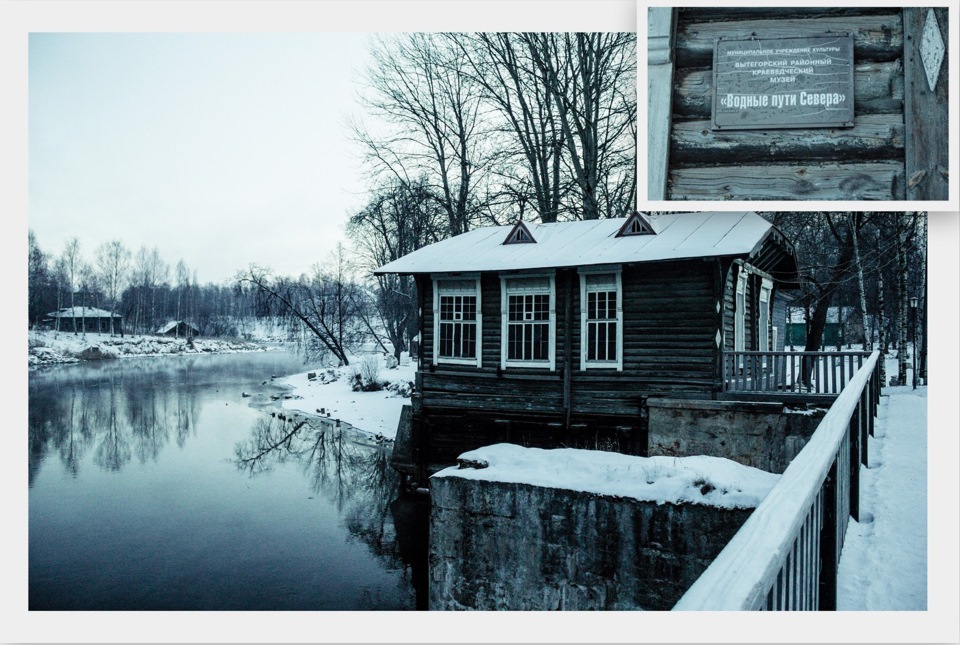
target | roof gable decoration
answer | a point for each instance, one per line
(520, 234)
(636, 224)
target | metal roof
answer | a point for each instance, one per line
(590, 242)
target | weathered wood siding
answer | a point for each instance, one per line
(668, 348)
(863, 162)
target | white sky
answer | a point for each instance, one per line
(220, 149)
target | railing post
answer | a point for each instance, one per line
(855, 456)
(828, 544)
(866, 422)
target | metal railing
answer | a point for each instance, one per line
(798, 372)
(786, 554)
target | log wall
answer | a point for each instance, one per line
(865, 162)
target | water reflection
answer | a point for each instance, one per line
(155, 485)
(116, 413)
(356, 478)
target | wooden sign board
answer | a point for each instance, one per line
(802, 82)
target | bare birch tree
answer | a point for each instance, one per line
(113, 264)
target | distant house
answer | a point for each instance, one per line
(89, 319)
(843, 327)
(179, 329)
(556, 334)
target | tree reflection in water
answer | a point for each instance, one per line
(357, 478)
(118, 413)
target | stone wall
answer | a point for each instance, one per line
(508, 546)
(763, 435)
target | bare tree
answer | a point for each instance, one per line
(324, 302)
(592, 79)
(434, 114)
(71, 265)
(398, 220)
(113, 264)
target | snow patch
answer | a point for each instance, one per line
(708, 481)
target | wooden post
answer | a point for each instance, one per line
(925, 53)
(661, 24)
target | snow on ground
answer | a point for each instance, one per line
(710, 481)
(375, 413)
(884, 560)
(51, 347)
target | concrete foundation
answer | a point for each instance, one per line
(763, 435)
(508, 546)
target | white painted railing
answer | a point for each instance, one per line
(786, 554)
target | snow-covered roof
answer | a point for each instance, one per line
(82, 312)
(590, 242)
(170, 326)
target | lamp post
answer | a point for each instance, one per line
(913, 309)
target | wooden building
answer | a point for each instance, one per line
(84, 319)
(892, 145)
(179, 329)
(556, 334)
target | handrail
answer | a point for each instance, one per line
(745, 571)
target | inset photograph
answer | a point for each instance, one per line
(810, 103)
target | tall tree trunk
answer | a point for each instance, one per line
(867, 341)
(881, 327)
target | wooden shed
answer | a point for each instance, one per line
(556, 334)
(884, 138)
(85, 319)
(179, 329)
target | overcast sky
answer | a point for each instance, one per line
(218, 149)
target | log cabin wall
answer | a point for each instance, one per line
(669, 349)
(865, 162)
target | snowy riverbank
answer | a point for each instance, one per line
(51, 347)
(330, 393)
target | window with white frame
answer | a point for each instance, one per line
(457, 321)
(601, 320)
(528, 312)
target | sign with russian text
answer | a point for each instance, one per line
(802, 82)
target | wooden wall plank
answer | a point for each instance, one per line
(878, 89)
(876, 37)
(882, 180)
(875, 136)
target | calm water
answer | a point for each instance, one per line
(155, 485)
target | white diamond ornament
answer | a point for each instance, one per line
(719, 338)
(931, 49)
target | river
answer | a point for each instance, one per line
(155, 485)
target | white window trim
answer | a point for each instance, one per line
(584, 363)
(766, 289)
(549, 364)
(437, 360)
(740, 313)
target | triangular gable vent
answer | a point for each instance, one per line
(520, 234)
(636, 224)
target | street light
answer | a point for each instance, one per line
(913, 308)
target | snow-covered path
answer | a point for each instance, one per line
(884, 561)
